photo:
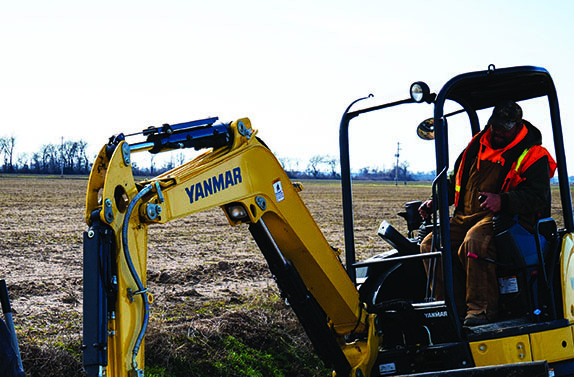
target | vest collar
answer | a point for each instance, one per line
(487, 153)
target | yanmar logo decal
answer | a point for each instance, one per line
(436, 314)
(213, 185)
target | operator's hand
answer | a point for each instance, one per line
(491, 202)
(425, 209)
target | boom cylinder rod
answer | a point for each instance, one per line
(177, 137)
(196, 134)
(141, 147)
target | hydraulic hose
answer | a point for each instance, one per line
(140, 287)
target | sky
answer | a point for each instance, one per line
(88, 70)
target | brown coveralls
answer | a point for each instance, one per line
(471, 231)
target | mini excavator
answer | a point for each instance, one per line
(368, 318)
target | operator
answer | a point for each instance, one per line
(507, 168)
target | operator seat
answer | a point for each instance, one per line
(525, 268)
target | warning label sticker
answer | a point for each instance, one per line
(508, 285)
(278, 189)
(387, 368)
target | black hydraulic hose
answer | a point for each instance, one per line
(140, 287)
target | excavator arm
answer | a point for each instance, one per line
(240, 175)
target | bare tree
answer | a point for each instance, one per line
(68, 153)
(74, 157)
(49, 158)
(314, 165)
(23, 163)
(36, 163)
(7, 146)
(332, 162)
(404, 170)
(83, 163)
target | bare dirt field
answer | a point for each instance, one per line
(216, 310)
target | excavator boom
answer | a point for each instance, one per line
(242, 176)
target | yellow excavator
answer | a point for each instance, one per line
(369, 318)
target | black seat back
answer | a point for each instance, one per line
(524, 271)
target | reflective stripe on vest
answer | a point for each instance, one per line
(519, 161)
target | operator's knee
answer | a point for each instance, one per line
(426, 244)
(479, 240)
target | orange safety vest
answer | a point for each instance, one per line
(516, 173)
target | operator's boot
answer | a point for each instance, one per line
(476, 319)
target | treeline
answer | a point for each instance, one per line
(327, 167)
(68, 157)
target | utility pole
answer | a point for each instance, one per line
(397, 165)
(62, 158)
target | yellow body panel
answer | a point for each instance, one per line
(552, 345)
(567, 263)
(501, 351)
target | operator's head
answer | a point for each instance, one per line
(504, 123)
